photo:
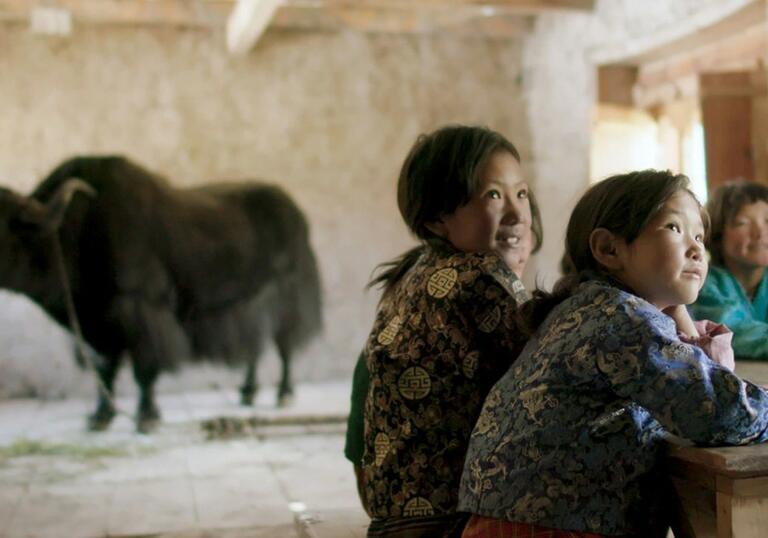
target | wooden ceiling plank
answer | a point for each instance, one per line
(178, 9)
(742, 51)
(461, 20)
(491, 18)
(516, 6)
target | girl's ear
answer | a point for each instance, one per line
(605, 247)
(438, 228)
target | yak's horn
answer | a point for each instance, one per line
(54, 211)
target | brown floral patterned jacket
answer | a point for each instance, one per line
(442, 336)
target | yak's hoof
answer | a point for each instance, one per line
(147, 421)
(100, 420)
(147, 424)
(284, 400)
(246, 397)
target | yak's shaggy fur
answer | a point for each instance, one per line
(165, 274)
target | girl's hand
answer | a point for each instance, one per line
(713, 338)
(683, 320)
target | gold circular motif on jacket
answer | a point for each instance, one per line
(418, 506)
(519, 290)
(441, 282)
(414, 383)
(469, 364)
(381, 447)
(387, 336)
(491, 320)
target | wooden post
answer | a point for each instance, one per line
(615, 84)
(726, 113)
(760, 122)
(721, 492)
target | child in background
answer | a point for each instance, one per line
(444, 330)
(736, 290)
(354, 440)
(569, 440)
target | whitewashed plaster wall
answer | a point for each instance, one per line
(561, 59)
(329, 116)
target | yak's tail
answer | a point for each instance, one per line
(301, 291)
(309, 291)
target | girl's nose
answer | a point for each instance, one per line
(514, 209)
(697, 250)
(697, 254)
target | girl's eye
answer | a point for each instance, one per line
(674, 227)
(699, 238)
(522, 194)
(494, 194)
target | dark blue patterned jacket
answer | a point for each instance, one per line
(570, 436)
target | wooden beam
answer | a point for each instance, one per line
(527, 7)
(175, 10)
(738, 42)
(690, 34)
(492, 18)
(650, 97)
(247, 22)
(131, 12)
(743, 50)
(461, 21)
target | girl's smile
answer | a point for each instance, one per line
(497, 217)
(745, 238)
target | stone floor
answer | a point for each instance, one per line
(270, 472)
(255, 472)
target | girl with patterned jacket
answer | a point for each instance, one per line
(569, 441)
(444, 331)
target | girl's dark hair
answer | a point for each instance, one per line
(439, 175)
(622, 204)
(723, 206)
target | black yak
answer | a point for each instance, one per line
(162, 274)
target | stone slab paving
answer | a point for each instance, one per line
(334, 523)
(283, 477)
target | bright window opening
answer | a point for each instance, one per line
(625, 139)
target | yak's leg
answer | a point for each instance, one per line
(107, 369)
(249, 388)
(145, 372)
(285, 350)
(250, 384)
(155, 339)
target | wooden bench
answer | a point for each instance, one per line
(721, 492)
(755, 371)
